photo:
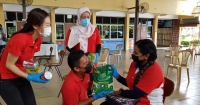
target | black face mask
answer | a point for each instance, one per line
(136, 59)
(88, 68)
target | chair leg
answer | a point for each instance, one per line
(59, 94)
(188, 75)
(179, 75)
(47, 60)
(45, 68)
(164, 63)
(58, 71)
(167, 71)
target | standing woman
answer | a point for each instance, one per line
(15, 87)
(84, 36)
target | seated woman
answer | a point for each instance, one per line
(145, 79)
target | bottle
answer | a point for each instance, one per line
(47, 76)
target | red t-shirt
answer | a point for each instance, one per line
(74, 89)
(20, 45)
(151, 82)
(93, 40)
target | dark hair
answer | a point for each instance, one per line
(0, 25)
(74, 57)
(146, 46)
(35, 17)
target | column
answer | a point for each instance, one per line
(2, 19)
(53, 25)
(93, 18)
(126, 31)
(155, 29)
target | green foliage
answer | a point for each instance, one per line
(185, 43)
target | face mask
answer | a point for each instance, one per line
(85, 22)
(136, 59)
(88, 68)
(47, 32)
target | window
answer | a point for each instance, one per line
(120, 32)
(131, 21)
(68, 19)
(106, 20)
(99, 20)
(113, 20)
(114, 31)
(59, 18)
(11, 16)
(106, 31)
(19, 16)
(59, 31)
(131, 31)
(121, 20)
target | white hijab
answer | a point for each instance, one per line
(79, 33)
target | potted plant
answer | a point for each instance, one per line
(194, 42)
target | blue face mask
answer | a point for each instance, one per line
(85, 22)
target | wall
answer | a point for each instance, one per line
(175, 30)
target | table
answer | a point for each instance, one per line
(45, 50)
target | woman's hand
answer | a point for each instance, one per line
(115, 73)
(116, 93)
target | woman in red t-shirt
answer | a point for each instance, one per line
(145, 78)
(15, 87)
(84, 36)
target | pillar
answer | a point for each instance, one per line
(2, 19)
(53, 25)
(155, 29)
(93, 18)
(126, 31)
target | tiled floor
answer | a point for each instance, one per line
(184, 94)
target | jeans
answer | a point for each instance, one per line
(17, 92)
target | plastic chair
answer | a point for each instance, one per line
(184, 58)
(47, 58)
(103, 56)
(173, 52)
(117, 52)
(55, 65)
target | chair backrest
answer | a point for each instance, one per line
(168, 88)
(118, 49)
(174, 49)
(104, 54)
(51, 50)
(185, 56)
(1, 53)
(62, 54)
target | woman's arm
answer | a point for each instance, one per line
(10, 64)
(133, 94)
(121, 80)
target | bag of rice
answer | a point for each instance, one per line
(103, 80)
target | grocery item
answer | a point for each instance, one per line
(91, 57)
(103, 80)
(32, 67)
(118, 100)
(47, 75)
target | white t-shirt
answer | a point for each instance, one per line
(1, 41)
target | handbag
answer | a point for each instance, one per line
(118, 100)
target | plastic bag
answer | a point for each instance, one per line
(32, 67)
(118, 100)
(103, 80)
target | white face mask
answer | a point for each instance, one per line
(47, 32)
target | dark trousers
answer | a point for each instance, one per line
(2, 46)
(17, 92)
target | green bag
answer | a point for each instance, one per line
(103, 80)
